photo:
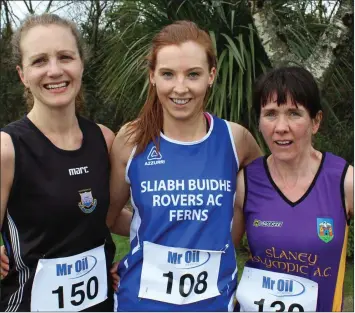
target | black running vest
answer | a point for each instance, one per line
(57, 207)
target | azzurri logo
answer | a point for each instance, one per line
(154, 157)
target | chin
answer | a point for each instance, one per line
(178, 114)
(187, 113)
(182, 115)
(59, 102)
(284, 156)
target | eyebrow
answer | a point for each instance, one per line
(263, 109)
(295, 109)
(58, 52)
(188, 70)
(37, 56)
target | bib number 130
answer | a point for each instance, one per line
(280, 306)
(188, 283)
(79, 292)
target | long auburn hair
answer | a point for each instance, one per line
(147, 126)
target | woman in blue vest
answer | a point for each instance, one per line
(179, 165)
(296, 204)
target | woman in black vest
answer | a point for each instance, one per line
(54, 181)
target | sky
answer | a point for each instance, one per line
(20, 10)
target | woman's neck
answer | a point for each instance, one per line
(289, 173)
(189, 130)
(54, 121)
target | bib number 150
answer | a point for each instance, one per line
(92, 289)
(198, 285)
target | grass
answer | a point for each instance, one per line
(349, 287)
(122, 248)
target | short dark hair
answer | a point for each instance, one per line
(293, 81)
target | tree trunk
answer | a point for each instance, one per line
(276, 49)
(324, 54)
(330, 44)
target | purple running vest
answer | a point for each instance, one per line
(306, 238)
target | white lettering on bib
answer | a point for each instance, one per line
(264, 291)
(70, 284)
(179, 275)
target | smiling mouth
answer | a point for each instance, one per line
(180, 101)
(53, 86)
(283, 143)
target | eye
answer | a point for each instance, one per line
(295, 113)
(194, 75)
(39, 61)
(167, 74)
(270, 114)
(65, 57)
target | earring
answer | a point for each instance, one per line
(153, 84)
(210, 85)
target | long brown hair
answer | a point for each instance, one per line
(44, 20)
(147, 126)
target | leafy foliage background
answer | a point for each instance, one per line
(118, 34)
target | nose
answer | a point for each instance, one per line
(180, 86)
(281, 125)
(54, 69)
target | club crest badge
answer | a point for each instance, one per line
(87, 203)
(325, 229)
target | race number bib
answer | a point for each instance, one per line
(178, 275)
(70, 284)
(264, 291)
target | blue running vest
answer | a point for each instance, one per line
(181, 254)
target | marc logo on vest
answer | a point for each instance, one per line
(87, 203)
(154, 157)
(78, 170)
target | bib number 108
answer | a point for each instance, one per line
(92, 289)
(198, 285)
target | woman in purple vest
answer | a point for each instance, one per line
(296, 204)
